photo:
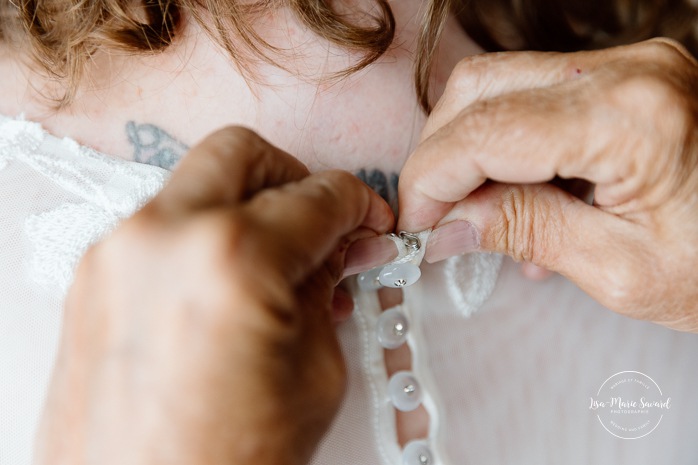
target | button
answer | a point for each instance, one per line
(392, 328)
(417, 453)
(399, 275)
(405, 392)
(368, 280)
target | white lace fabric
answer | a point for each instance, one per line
(57, 199)
(60, 197)
(508, 373)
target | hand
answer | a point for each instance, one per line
(623, 119)
(200, 330)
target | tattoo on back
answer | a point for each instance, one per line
(154, 146)
(384, 184)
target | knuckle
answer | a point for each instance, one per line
(466, 68)
(239, 135)
(526, 225)
(668, 50)
(623, 287)
(234, 142)
(657, 117)
(650, 99)
(632, 278)
(648, 89)
(339, 177)
(480, 119)
(491, 74)
(472, 74)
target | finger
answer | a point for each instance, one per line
(506, 139)
(490, 75)
(550, 228)
(368, 253)
(482, 77)
(593, 130)
(310, 218)
(565, 129)
(229, 165)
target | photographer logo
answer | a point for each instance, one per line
(630, 405)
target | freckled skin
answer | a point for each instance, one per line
(153, 108)
(369, 120)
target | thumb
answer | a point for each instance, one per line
(549, 227)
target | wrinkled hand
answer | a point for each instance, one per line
(623, 119)
(200, 331)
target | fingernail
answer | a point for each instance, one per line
(451, 239)
(366, 254)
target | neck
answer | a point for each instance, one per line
(369, 120)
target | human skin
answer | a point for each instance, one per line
(228, 366)
(200, 79)
(623, 119)
(368, 122)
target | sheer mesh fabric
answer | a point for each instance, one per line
(515, 379)
(511, 373)
(57, 198)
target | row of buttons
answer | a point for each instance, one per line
(403, 388)
(392, 327)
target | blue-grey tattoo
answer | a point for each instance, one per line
(154, 146)
(384, 184)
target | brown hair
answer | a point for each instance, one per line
(570, 25)
(63, 34)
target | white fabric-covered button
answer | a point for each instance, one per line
(399, 275)
(417, 453)
(368, 280)
(405, 392)
(392, 328)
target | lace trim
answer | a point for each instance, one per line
(470, 279)
(366, 312)
(60, 237)
(110, 189)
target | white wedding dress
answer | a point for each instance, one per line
(505, 367)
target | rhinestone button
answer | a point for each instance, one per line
(417, 453)
(405, 392)
(399, 275)
(368, 280)
(392, 328)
